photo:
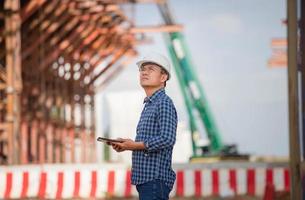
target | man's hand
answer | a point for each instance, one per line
(127, 144)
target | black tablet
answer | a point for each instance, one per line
(103, 139)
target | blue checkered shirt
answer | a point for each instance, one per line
(157, 129)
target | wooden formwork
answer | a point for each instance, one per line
(49, 54)
(54, 56)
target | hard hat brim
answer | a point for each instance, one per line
(141, 62)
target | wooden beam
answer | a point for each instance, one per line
(45, 12)
(104, 51)
(71, 46)
(50, 135)
(24, 147)
(78, 10)
(302, 67)
(2, 86)
(294, 133)
(149, 1)
(13, 67)
(130, 56)
(115, 58)
(68, 45)
(2, 74)
(59, 17)
(52, 46)
(45, 18)
(125, 1)
(63, 44)
(85, 48)
(97, 46)
(34, 124)
(3, 126)
(160, 28)
(92, 134)
(30, 8)
(112, 42)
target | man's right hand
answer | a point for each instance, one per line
(117, 147)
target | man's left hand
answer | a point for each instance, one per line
(122, 146)
(127, 144)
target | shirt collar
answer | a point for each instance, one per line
(154, 96)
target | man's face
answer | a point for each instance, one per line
(151, 75)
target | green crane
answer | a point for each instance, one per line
(193, 95)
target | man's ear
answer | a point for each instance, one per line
(164, 77)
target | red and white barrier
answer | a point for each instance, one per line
(85, 181)
(229, 182)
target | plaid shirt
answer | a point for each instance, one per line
(157, 129)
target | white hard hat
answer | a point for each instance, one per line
(157, 58)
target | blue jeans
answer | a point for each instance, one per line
(153, 190)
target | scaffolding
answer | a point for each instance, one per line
(49, 51)
(54, 56)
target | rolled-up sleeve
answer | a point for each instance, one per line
(167, 119)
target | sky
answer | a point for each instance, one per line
(229, 43)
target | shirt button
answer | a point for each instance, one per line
(146, 154)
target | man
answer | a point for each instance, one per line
(156, 133)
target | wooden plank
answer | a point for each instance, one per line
(50, 47)
(93, 63)
(50, 134)
(2, 74)
(302, 66)
(96, 46)
(68, 44)
(48, 27)
(92, 128)
(160, 28)
(24, 143)
(115, 58)
(42, 143)
(294, 137)
(130, 55)
(30, 8)
(105, 49)
(91, 26)
(100, 46)
(3, 126)
(71, 136)
(13, 66)
(126, 1)
(57, 144)
(105, 35)
(2, 86)
(44, 14)
(279, 42)
(54, 54)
